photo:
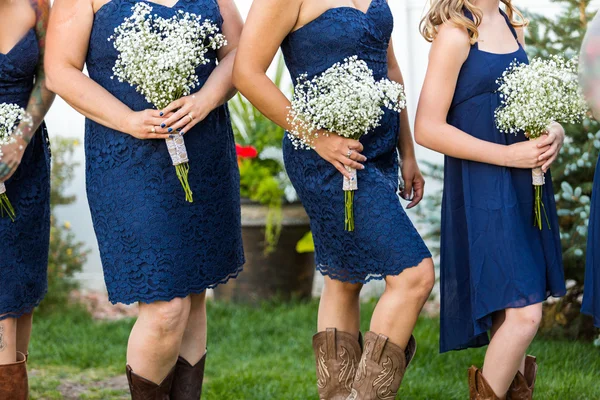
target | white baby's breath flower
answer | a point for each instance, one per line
(345, 99)
(11, 115)
(535, 95)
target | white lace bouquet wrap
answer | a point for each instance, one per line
(159, 56)
(11, 115)
(532, 97)
(347, 100)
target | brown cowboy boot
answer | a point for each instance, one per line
(187, 383)
(381, 368)
(143, 389)
(337, 354)
(523, 384)
(479, 388)
(14, 384)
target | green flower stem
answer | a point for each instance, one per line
(349, 223)
(182, 174)
(6, 207)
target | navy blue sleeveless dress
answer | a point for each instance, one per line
(24, 243)
(591, 293)
(153, 244)
(492, 257)
(384, 241)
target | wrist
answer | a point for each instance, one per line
(505, 156)
(124, 122)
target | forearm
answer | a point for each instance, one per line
(218, 88)
(405, 139)
(446, 139)
(265, 96)
(39, 103)
(88, 97)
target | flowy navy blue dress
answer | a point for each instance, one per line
(591, 292)
(384, 241)
(24, 243)
(154, 245)
(492, 256)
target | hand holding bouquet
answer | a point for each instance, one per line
(534, 96)
(159, 56)
(11, 115)
(347, 100)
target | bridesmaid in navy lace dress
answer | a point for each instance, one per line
(25, 170)
(496, 267)
(591, 293)
(156, 248)
(385, 245)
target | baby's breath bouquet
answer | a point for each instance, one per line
(159, 56)
(346, 100)
(535, 95)
(11, 115)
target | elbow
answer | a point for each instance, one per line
(238, 75)
(421, 133)
(51, 80)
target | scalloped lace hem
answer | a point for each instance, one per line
(20, 311)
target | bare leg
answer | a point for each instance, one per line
(156, 337)
(24, 325)
(193, 345)
(497, 321)
(505, 354)
(398, 309)
(340, 306)
(8, 341)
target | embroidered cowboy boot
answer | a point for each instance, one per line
(523, 384)
(381, 368)
(479, 388)
(337, 354)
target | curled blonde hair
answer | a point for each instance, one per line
(442, 11)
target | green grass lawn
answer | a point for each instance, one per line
(261, 353)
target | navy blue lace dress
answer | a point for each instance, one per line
(153, 244)
(24, 243)
(591, 293)
(384, 241)
(492, 257)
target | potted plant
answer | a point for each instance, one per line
(273, 220)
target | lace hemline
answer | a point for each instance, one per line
(18, 313)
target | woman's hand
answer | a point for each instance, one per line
(554, 138)
(186, 113)
(146, 125)
(414, 183)
(12, 154)
(525, 155)
(340, 152)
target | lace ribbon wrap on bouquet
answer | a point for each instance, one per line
(179, 157)
(6, 209)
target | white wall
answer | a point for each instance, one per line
(411, 51)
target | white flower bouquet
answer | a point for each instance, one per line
(159, 56)
(346, 100)
(11, 115)
(534, 96)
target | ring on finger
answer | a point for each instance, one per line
(153, 129)
(190, 117)
(350, 151)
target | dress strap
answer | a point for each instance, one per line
(510, 25)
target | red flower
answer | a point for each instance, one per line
(246, 151)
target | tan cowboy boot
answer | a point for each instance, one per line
(479, 388)
(14, 384)
(143, 389)
(523, 384)
(381, 368)
(337, 354)
(187, 383)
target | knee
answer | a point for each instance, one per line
(170, 317)
(417, 283)
(525, 320)
(340, 288)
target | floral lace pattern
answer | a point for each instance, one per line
(24, 244)
(385, 241)
(153, 244)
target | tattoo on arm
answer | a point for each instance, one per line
(41, 98)
(2, 340)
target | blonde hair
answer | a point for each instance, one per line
(442, 11)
